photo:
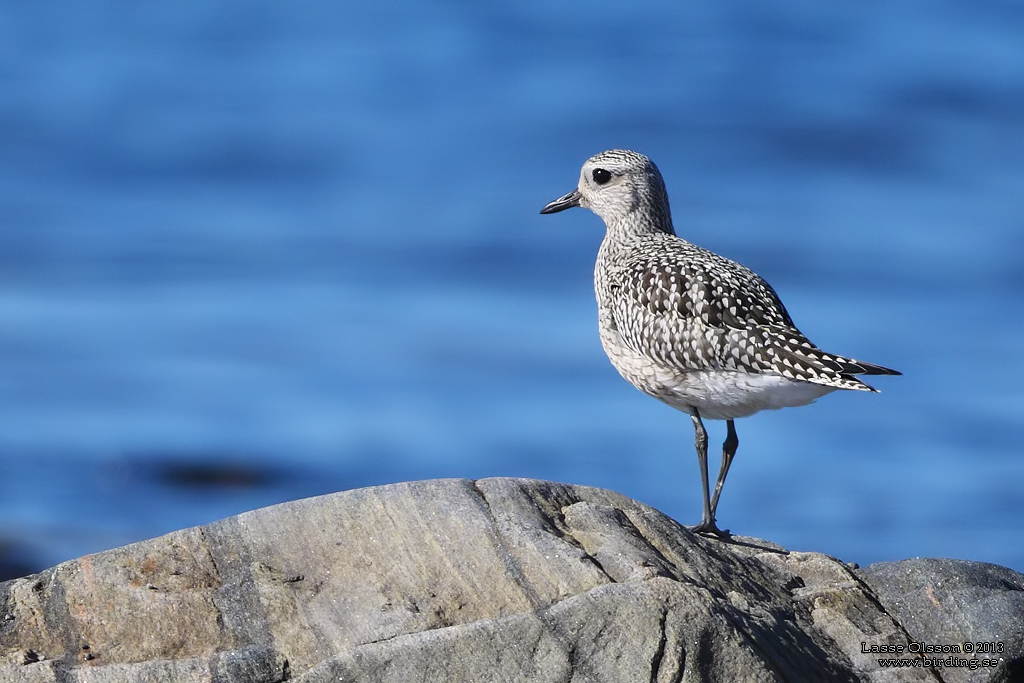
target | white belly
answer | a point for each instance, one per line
(726, 395)
(716, 394)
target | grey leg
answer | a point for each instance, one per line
(732, 442)
(700, 438)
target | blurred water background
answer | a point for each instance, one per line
(251, 252)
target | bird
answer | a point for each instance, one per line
(696, 330)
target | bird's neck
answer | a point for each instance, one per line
(643, 220)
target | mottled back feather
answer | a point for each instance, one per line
(691, 309)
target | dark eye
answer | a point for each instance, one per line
(601, 176)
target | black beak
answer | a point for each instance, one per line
(562, 203)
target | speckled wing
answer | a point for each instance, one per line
(691, 309)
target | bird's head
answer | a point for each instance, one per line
(622, 187)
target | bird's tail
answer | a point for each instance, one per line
(848, 368)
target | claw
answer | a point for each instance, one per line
(709, 527)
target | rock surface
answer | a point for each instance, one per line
(942, 602)
(493, 580)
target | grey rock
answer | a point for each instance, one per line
(974, 606)
(448, 580)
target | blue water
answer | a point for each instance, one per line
(257, 251)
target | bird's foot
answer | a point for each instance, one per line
(708, 526)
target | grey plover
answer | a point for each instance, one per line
(691, 328)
